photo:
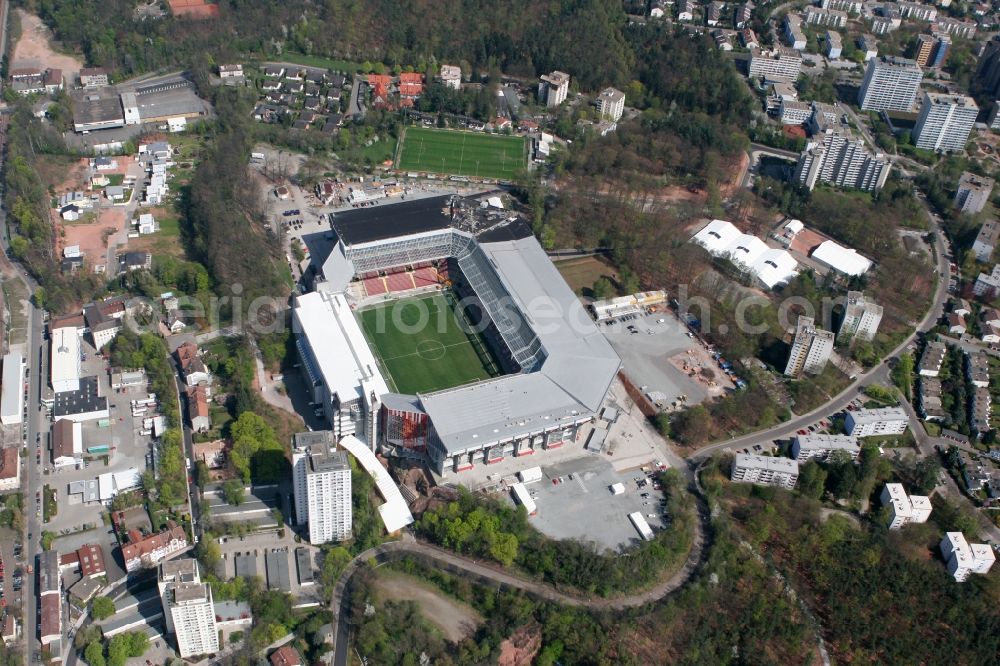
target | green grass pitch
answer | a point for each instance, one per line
(461, 153)
(420, 357)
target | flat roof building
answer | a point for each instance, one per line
(780, 64)
(611, 103)
(820, 446)
(553, 88)
(973, 192)
(945, 122)
(861, 318)
(877, 422)
(12, 389)
(322, 487)
(890, 84)
(65, 363)
(188, 608)
(765, 470)
(811, 349)
(904, 509)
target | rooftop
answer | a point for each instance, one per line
(784, 465)
(364, 225)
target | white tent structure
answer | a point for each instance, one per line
(841, 259)
(773, 267)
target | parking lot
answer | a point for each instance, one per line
(580, 504)
(258, 547)
(646, 354)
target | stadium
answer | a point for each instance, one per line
(440, 330)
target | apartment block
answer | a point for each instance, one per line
(868, 45)
(188, 608)
(973, 192)
(979, 411)
(890, 84)
(833, 18)
(836, 157)
(964, 559)
(781, 64)
(986, 240)
(553, 88)
(987, 284)
(811, 349)
(956, 28)
(322, 478)
(945, 122)
(977, 369)
(765, 470)
(794, 112)
(794, 35)
(834, 45)
(611, 103)
(877, 422)
(451, 76)
(904, 509)
(850, 6)
(861, 318)
(820, 446)
(917, 11)
(931, 408)
(988, 72)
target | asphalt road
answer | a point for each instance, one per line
(33, 474)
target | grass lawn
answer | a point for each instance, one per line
(433, 356)
(461, 153)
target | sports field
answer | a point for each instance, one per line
(460, 153)
(422, 348)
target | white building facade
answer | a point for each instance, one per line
(322, 480)
(877, 422)
(861, 318)
(890, 84)
(765, 470)
(945, 122)
(188, 608)
(811, 349)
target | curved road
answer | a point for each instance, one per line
(486, 572)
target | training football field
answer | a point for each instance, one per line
(421, 347)
(461, 153)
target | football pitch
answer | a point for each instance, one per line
(460, 153)
(421, 347)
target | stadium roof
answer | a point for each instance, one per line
(395, 512)
(365, 225)
(338, 346)
(578, 369)
(841, 259)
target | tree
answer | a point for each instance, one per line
(94, 654)
(812, 480)
(202, 474)
(603, 288)
(208, 553)
(232, 492)
(693, 426)
(102, 607)
(504, 548)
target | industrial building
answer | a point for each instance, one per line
(12, 389)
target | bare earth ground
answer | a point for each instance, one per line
(455, 619)
(691, 363)
(93, 237)
(34, 49)
(583, 272)
(63, 174)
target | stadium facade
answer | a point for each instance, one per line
(558, 366)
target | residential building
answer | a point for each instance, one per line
(876, 422)
(930, 361)
(850, 6)
(945, 122)
(794, 35)
(977, 368)
(742, 15)
(553, 88)
(890, 84)
(956, 28)
(833, 18)
(231, 71)
(973, 192)
(986, 240)
(883, 25)
(322, 479)
(979, 412)
(765, 470)
(685, 10)
(964, 559)
(11, 389)
(861, 318)
(811, 349)
(988, 71)
(188, 609)
(931, 408)
(713, 13)
(50, 604)
(781, 64)
(836, 157)
(192, 368)
(145, 552)
(868, 46)
(794, 112)
(834, 46)
(904, 509)
(988, 285)
(820, 446)
(87, 560)
(611, 103)
(286, 655)
(134, 261)
(748, 38)
(198, 412)
(94, 77)
(103, 328)
(451, 76)
(917, 11)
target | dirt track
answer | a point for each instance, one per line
(455, 620)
